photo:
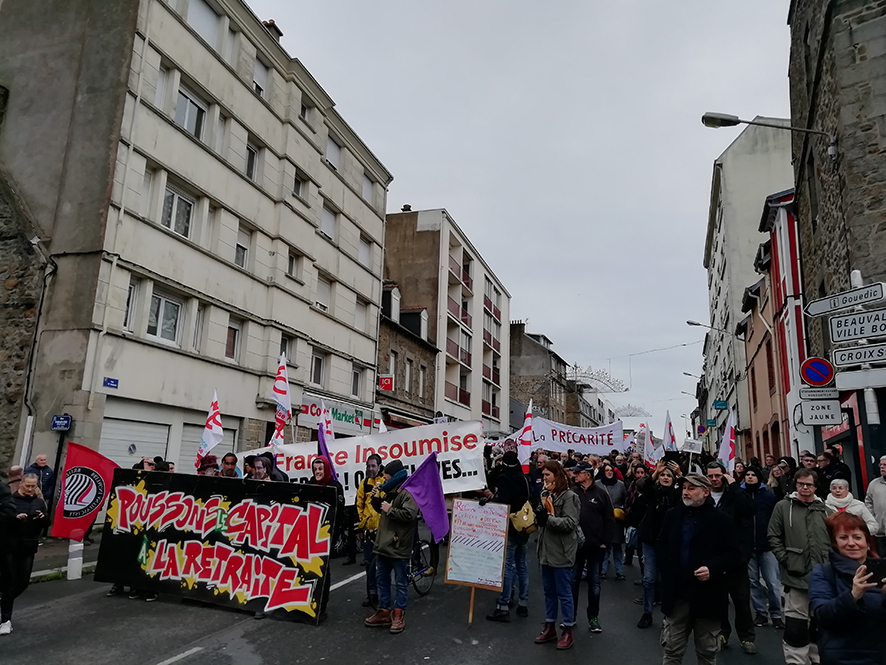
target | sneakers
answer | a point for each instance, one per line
(499, 615)
(619, 577)
(645, 620)
(151, 597)
(778, 622)
(115, 590)
(761, 620)
(594, 625)
(134, 594)
(749, 648)
(522, 611)
(6, 627)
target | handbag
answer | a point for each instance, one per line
(631, 537)
(524, 519)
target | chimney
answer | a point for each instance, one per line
(271, 26)
(406, 208)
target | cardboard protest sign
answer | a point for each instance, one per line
(257, 546)
(459, 448)
(477, 544)
(585, 440)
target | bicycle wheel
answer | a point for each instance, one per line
(423, 566)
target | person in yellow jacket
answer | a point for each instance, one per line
(368, 522)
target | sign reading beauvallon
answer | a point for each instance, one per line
(859, 325)
(257, 546)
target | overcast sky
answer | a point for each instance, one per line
(564, 138)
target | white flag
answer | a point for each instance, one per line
(524, 440)
(670, 441)
(651, 452)
(382, 428)
(283, 415)
(213, 432)
(727, 445)
(326, 422)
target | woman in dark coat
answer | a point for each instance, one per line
(19, 540)
(849, 606)
(322, 469)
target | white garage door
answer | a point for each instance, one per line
(127, 441)
(191, 435)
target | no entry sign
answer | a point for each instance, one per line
(816, 372)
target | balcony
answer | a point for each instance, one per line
(452, 348)
(487, 338)
(487, 371)
(464, 397)
(465, 357)
(454, 268)
(496, 313)
(451, 391)
(487, 303)
(495, 412)
(453, 307)
(496, 376)
(496, 345)
(490, 410)
(466, 278)
(466, 318)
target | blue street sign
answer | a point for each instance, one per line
(61, 423)
(111, 383)
(721, 404)
(712, 422)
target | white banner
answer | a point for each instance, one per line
(692, 446)
(561, 438)
(459, 446)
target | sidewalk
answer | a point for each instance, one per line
(51, 560)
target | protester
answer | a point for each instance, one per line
(393, 546)
(730, 499)
(513, 489)
(248, 468)
(229, 468)
(800, 541)
(848, 604)
(260, 468)
(536, 478)
(368, 523)
(45, 475)
(321, 467)
(275, 474)
(14, 478)
(208, 466)
(635, 508)
(781, 480)
(840, 500)
(697, 550)
(617, 496)
(828, 471)
(663, 497)
(768, 465)
(875, 500)
(621, 463)
(808, 460)
(558, 518)
(19, 538)
(738, 472)
(762, 561)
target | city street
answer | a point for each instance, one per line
(66, 622)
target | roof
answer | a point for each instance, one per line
(751, 294)
(763, 259)
(773, 203)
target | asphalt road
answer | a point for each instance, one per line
(73, 622)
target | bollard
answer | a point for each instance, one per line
(75, 560)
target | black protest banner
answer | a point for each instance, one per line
(257, 546)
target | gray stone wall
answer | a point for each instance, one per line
(393, 337)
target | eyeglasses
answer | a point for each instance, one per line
(805, 484)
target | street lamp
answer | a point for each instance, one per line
(704, 325)
(717, 120)
(690, 394)
(694, 376)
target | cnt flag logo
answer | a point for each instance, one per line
(84, 491)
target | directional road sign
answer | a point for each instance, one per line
(821, 412)
(860, 325)
(860, 296)
(721, 404)
(816, 372)
(860, 355)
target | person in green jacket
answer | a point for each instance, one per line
(799, 538)
(393, 546)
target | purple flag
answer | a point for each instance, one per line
(426, 488)
(323, 450)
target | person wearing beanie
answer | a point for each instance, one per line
(512, 488)
(763, 562)
(208, 466)
(781, 477)
(393, 546)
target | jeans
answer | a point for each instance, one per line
(675, 631)
(515, 567)
(557, 585)
(649, 573)
(592, 557)
(15, 575)
(765, 564)
(618, 556)
(384, 566)
(740, 591)
(368, 547)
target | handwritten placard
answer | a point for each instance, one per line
(477, 544)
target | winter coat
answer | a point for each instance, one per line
(596, 519)
(557, 540)
(738, 506)
(23, 536)
(853, 506)
(636, 505)
(662, 499)
(512, 488)
(45, 479)
(7, 505)
(367, 515)
(396, 528)
(764, 503)
(799, 538)
(850, 632)
(713, 544)
(875, 500)
(833, 471)
(618, 495)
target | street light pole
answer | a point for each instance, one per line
(717, 120)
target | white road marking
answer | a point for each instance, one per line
(181, 656)
(339, 584)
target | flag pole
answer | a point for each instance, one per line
(471, 608)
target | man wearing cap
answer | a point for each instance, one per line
(597, 522)
(393, 546)
(696, 550)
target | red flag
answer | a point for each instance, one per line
(85, 485)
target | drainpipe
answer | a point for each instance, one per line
(872, 409)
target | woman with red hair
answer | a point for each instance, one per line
(848, 604)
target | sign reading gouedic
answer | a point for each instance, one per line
(257, 546)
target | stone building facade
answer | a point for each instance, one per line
(538, 373)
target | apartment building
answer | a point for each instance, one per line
(436, 267)
(538, 373)
(757, 163)
(213, 212)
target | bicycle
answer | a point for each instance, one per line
(421, 569)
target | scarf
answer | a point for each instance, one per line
(839, 504)
(607, 481)
(394, 483)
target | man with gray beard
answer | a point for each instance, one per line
(696, 549)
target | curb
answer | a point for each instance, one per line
(51, 574)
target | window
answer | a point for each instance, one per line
(324, 294)
(147, 191)
(770, 365)
(497, 299)
(304, 111)
(365, 254)
(286, 347)
(356, 382)
(252, 155)
(232, 341)
(407, 379)
(317, 366)
(360, 316)
(177, 212)
(160, 93)
(198, 327)
(368, 190)
(204, 20)
(190, 113)
(753, 377)
(422, 374)
(293, 265)
(164, 318)
(260, 78)
(131, 300)
(392, 368)
(300, 185)
(328, 222)
(333, 152)
(241, 251)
